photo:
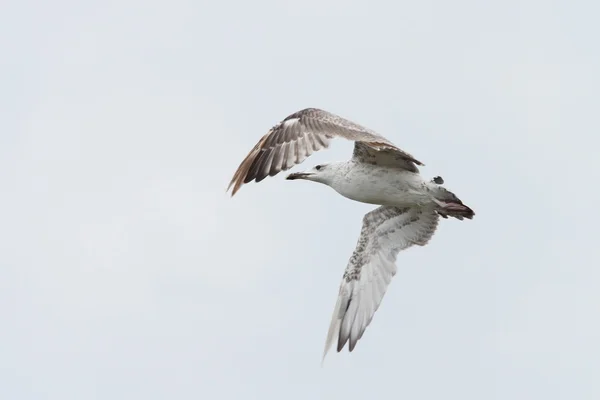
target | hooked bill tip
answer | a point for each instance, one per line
(297, 175)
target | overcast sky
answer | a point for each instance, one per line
(127, 272)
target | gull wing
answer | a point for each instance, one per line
(385, 232)
(302, 133)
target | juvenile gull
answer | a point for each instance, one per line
(378, 173)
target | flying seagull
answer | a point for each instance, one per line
(378, 173)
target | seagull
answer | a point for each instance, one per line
(378, 173)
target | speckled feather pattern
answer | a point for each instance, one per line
(385, 232)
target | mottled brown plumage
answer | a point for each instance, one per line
(302, 133)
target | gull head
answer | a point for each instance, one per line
(322, 173)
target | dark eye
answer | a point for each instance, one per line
(318, 167)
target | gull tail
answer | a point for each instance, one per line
(458, 211)
(449, 205)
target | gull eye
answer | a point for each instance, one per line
(318, 167)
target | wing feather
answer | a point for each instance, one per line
(309, 130)
(385, 232)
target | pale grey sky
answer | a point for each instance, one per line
(127, 272)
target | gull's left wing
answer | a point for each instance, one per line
(385, 232)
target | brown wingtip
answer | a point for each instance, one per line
(233, 183)
(236, 187)
(236, 182)
(240, 175)
(238, 179)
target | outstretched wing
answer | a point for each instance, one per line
(300, 134)
(385, 232)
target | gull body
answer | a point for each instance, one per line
(378, 173)
(373, 184)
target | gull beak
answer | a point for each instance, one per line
(298, 175)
